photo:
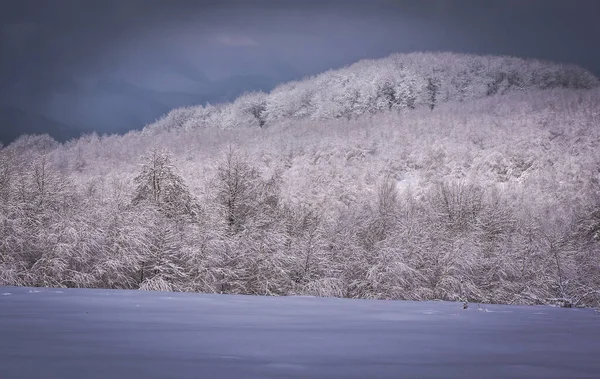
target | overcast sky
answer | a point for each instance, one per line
(54, 53)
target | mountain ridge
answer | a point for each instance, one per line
(397, 82)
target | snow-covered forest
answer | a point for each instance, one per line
(420, 176)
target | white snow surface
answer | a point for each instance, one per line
(81, 333)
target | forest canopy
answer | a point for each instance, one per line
(419, 176)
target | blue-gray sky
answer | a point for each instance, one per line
(80, 65)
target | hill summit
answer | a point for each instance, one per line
(399, 82)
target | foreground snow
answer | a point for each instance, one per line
(52, 333)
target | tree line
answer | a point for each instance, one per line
(492, 200)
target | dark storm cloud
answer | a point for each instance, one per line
(86, 35)
(73, 60)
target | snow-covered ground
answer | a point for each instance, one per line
(62, 333)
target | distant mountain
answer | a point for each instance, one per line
(15, 122)
(109, 106)
(115, 106)
(229, 89)
(123, 101)
(173, 77)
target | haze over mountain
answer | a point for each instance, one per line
(117, 104)
(31, 123)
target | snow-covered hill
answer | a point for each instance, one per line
(399, 82)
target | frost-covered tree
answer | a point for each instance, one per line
(237, 183)
(159, 184)
(433, 88)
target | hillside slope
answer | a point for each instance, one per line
(494, 200)
(399, 82)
